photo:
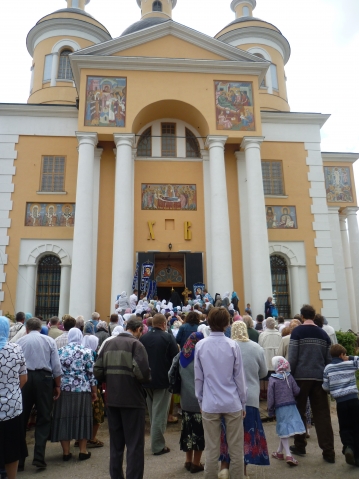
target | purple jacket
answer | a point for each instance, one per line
(279, 394)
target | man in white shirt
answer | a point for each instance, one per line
(133, 300)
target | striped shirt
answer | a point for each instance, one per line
(339, 378)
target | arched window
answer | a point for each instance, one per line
(48, 287)
(157, 6)
(280, 285)
(144, 146)
(192, 146)
(261, 56)
(65, 72)
(245, 11)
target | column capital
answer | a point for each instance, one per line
(350, 211)
(239, 155)
(124, 139)
(333, 210)
(86, 138)
(252, 142)
(216, 140)
(98, 153)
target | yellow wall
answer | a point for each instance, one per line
(169, 47)
(343, 165)
(293, 156)
(27, 182)
(188, 89)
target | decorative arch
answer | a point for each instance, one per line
(66, 43)
(48, 248)
(284, 251)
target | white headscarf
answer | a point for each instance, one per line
(205, 330)
(90, 342)
(226, 295)
(74, 336)
(118, 330)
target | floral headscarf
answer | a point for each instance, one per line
(281, 368)
(187, 353)
(239, 331)
(4, 331)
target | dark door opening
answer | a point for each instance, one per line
(165, 292)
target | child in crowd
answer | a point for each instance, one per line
(248, 309)
(339, 379)
(282, 390)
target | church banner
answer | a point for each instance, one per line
(168, 197)
(105, 101)
(50, 214)
(234, 106)
(146, 271)
(281, 217)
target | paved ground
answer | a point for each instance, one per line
(170, 466)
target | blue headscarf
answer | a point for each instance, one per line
(235, 295)
(187, 353)
(89, 328)
(27, 317)
(4, 331)
(45, 330)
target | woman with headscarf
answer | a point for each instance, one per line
(225, 299)
(12, 378)
(217, 300)
(235, 300)
(255, 368)
(122, 303)
(270, 340)
(192, 434)
(72, 418)
(89, 328)
(102, 332)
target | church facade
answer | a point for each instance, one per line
(176, 153)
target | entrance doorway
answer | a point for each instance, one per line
(280, 284)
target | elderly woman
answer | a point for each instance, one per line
(72, 417)
(255, 368)
(102, 332)
(270, 341)
(252, 333)
(284, 345)
(13, 376)
(192, 434)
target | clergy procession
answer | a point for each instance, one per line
(161, 361)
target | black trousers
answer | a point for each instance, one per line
(321, 413)
(348, 417)
(38, 391)
(127, 428)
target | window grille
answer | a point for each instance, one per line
(192, 146)
(169, 139)
(48, 287)
(144, 147)
(65, 72)
(157, 6)
(280, 285)
(272, 175)
(53, 173)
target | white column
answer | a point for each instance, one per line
(245, 224)
(207, 217)
(81, 289)
(65, 282)
(295, 291)
(222, 274)
(30, 292)
(261, 281)
(123, 233)
(351, 213)
(339, 269)
(96, 199)
(348, 270)
(54, 68)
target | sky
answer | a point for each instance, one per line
(322, 73)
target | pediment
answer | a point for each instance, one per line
(197, 45)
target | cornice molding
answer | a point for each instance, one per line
(28, 109)
(177, 30)
(73, 27)
(177, 65)
(294, 118)
(340, 157)
(261, 32)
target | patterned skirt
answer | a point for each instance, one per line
(192, 434)
(72, 418)
(255, 443)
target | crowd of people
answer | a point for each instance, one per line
(214, 363)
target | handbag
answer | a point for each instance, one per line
(174, 376)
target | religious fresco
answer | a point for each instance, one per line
(105, 101)
(50, 214)
(234, 106)
(168, 197)
(338, 184)
(281, 217)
